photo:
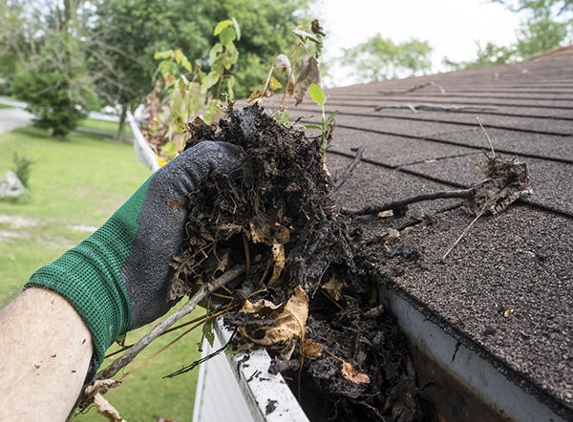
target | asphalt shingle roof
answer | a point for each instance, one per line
(520, 259)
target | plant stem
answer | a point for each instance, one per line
(186, 309)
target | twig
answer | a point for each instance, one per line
(402, 204)
(348, 171)
(415, 88)
(486, 137)
(186, 309)
(203, 359)
(461, 236)
(429, 106)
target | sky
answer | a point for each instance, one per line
(451, 27)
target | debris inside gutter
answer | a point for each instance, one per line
(309, 295)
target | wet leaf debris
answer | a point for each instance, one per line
(303, 297)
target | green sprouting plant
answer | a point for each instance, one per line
(327, 123)
(184, 91)
(22, 165)
(298, 73)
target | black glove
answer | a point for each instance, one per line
(118, 278)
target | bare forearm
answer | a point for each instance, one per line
(45, 350)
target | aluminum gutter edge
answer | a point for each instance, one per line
(488, 384)
(238, 387)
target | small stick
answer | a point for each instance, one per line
(403, 203)
(486, 137)
(415, 88)
(433, 107)
(186, 309)
(461, 236)
(348, 170)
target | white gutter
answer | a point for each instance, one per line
(484, 381)
(238, 387)
(143, 150)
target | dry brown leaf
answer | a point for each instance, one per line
(105, 409)
(278, 251)
(506, 180)
(261, 308)
(94, 392)
(386, 214)
(290, 320)
(276, 236)
(333, 288)
(352, 376)
(310, 349)
(309, 74)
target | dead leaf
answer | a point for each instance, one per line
(333, 288)
(309, 74)
(290, 321)
(276, 236)
(386, 214)
(105, 409)
(94, 393)
(310, 349)
(506, 180)
(278, 251)
(351, 375)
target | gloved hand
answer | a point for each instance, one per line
(118, 278)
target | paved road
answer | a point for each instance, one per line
(12, 118)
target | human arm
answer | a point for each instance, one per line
(118, 278)
(45, 352)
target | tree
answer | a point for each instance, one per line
(489, 55)
(380, 58)
(546, 24)
(51, 74)
(543, 31)
(128, 33)
(117, 39)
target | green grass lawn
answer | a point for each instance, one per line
(103, 125)
(75, 185)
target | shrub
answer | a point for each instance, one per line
(22, 165)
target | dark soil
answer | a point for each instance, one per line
(281, 202)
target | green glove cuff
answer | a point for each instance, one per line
(89, 276)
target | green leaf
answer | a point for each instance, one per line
(181, 59)
(230, 85)
(214, 52)
(210, 80)
(313, 127)
(222, 25)
(208, 332)
(227, 36)
(163, 54)
(317, 94)
(331, 118)
(237, 28)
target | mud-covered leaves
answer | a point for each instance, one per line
(303, 295)
(353, 375)
(506, 180)
(286, 322)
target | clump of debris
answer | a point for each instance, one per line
(302, 295)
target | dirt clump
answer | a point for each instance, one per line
(303, 296)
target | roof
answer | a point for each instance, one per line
(507, 287)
